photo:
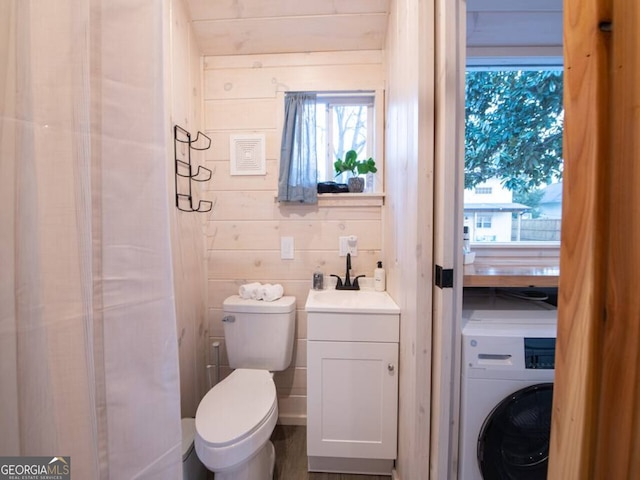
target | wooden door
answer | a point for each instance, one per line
(596, 418)
(447, 234)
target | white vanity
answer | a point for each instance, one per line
(352, 381)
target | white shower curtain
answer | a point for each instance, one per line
(88, 348)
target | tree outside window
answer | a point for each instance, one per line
(513, 133)
(344, 122)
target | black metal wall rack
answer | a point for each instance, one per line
(185, 169)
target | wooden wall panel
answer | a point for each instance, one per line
(201, 9)
(618, 443)
(186, 228)
(267, 267)
(309, 235)
(308, 59)
(583, 248)
(256, 205)
(222, 180)
(277, 34)
(266, 82)
(409, 219)
(596, 425)
(245, 94)
(243, 114)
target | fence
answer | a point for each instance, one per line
(537, 230)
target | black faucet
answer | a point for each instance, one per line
(347, 285)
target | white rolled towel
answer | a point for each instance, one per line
(271, 293)
(249, 290)
(261, 291)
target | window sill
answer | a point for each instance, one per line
(514, 265)
(351, 199)
(346, 200)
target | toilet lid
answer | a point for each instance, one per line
(236, 406)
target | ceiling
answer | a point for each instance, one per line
(240, 27)
(514, 23)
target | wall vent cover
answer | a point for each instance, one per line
(248, 154)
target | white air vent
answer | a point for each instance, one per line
(248, 155)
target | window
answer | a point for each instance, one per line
(344, 122)
(513, 153)
(483, 221)
(318, 129)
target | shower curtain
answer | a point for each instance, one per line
(88, 348)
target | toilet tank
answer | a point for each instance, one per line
(259, 334)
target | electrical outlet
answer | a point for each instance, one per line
(348, 245)
(286, 248)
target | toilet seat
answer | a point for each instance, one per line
(236, 418)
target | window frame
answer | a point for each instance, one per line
(532, 63)
(365, 199)
(376, 197)
(483, 221)
(355, 98)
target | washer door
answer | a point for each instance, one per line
(514, 439)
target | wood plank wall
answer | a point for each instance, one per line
(187, 239)
(595, 430)
(408, 238)
(245, 95)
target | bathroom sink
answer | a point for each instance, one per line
(350, 301)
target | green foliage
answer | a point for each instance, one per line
(531, 199)
(513, 128)
(353, 165)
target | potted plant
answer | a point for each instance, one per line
(356, 167)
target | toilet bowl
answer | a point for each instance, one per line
(236, 418)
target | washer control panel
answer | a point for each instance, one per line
(539, 353)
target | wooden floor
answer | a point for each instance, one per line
(291, 457)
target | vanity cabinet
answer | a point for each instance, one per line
(352, 392)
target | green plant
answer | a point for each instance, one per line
(353, 165)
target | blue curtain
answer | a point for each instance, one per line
(298, 180)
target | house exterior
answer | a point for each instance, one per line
(488, 212)
(551, 203)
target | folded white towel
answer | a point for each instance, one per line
(249, 290)
(271, 293)
(261, 291)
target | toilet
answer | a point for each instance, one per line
(236, 418)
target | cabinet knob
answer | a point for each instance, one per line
(391, 367)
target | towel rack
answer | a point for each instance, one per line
(185, 169)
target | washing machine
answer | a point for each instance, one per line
(508, 353)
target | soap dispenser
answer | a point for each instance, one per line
(379, 280)
(318, 280)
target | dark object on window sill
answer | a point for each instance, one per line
(332, 187)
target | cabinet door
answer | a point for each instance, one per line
(352, 399)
